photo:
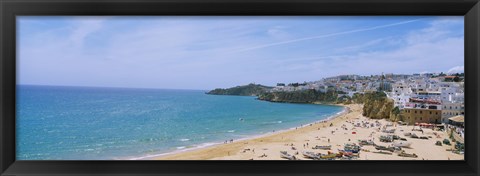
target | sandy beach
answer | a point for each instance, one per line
(342, 131)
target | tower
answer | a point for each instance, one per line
(382, 84)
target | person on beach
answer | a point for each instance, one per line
(328, 140)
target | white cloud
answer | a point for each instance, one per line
(278, 33)
(326, 35)
(84, 28)
(438, 30)
(380, 41)
(456, 69)
(431, 47)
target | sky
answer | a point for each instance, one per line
(195, 52)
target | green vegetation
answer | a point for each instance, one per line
(304, 96)
(246, 90)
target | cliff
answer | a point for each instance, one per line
(305, 96)
(378, 106)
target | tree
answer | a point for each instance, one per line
(456, 79)
(396, 110)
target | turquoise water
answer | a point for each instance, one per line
(82, 123)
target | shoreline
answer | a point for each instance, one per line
(252, 137)
(344, 111)
(342, 131)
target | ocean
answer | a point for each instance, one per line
(91, 123)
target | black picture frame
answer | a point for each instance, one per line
(9, 9)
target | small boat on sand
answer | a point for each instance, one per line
(403, 154)
(311, 155)
(446, 142)
(284, 154)
(348, 154)
(329, 156)
(423, 137)
(354, 148)
(389, 131)
(414, 136)
(323, 147)
(365, 142)
(383, 152)
(390, 149)
(386, 138)
(402, 144)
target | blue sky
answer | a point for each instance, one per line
(212, 52)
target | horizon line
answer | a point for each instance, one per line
(115, 87)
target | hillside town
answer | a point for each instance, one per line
(392, 116)
(427, 98)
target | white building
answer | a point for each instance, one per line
(451, 109)
(426, 95)
(418, 85)
(401, 94)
